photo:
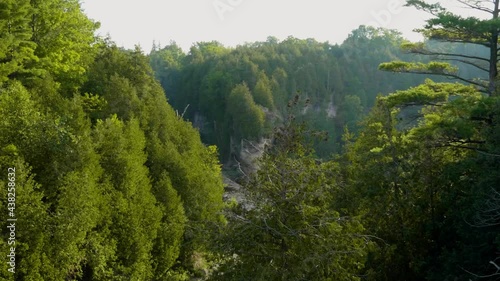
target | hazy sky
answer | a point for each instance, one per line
(232, 22)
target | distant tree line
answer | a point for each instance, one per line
(341, 81)
(111, 183)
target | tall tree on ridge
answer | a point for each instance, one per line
(447, 26)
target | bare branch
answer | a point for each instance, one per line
(489, 214)
(482, 88)
(466, 62)
(497, 273)
(239, 167)
(481, 276)
(476, 7)
(449, 40)
(184, 112)
(480, 151)
(431, 53)
(250, 143)
(487, 153)
(495, 265)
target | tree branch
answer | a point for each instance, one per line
(469, 148)
(431, 53)
(239, 167)
(476, 7)
(466, 62)
(455, 35)
(497, 273)
(468, 41)
(483, 88)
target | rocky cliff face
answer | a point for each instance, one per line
(244, 162)
(250, 153)
(232, 190)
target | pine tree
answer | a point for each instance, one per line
(447, 26)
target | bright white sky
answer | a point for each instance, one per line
(233, 22)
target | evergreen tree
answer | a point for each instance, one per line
(64, 36)
(262, 92)
(290, 230)
(450, 27)
(16, 47)
(428, 165)
(247, 117)
(135, 216)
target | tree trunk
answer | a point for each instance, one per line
(493, 55)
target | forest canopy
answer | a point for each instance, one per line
(273, 160)
(110, 183)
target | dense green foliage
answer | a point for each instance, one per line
(111, 183)
(424, 170)
(446, 26)
(200, 83)
(292, 230)
(421, 181)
